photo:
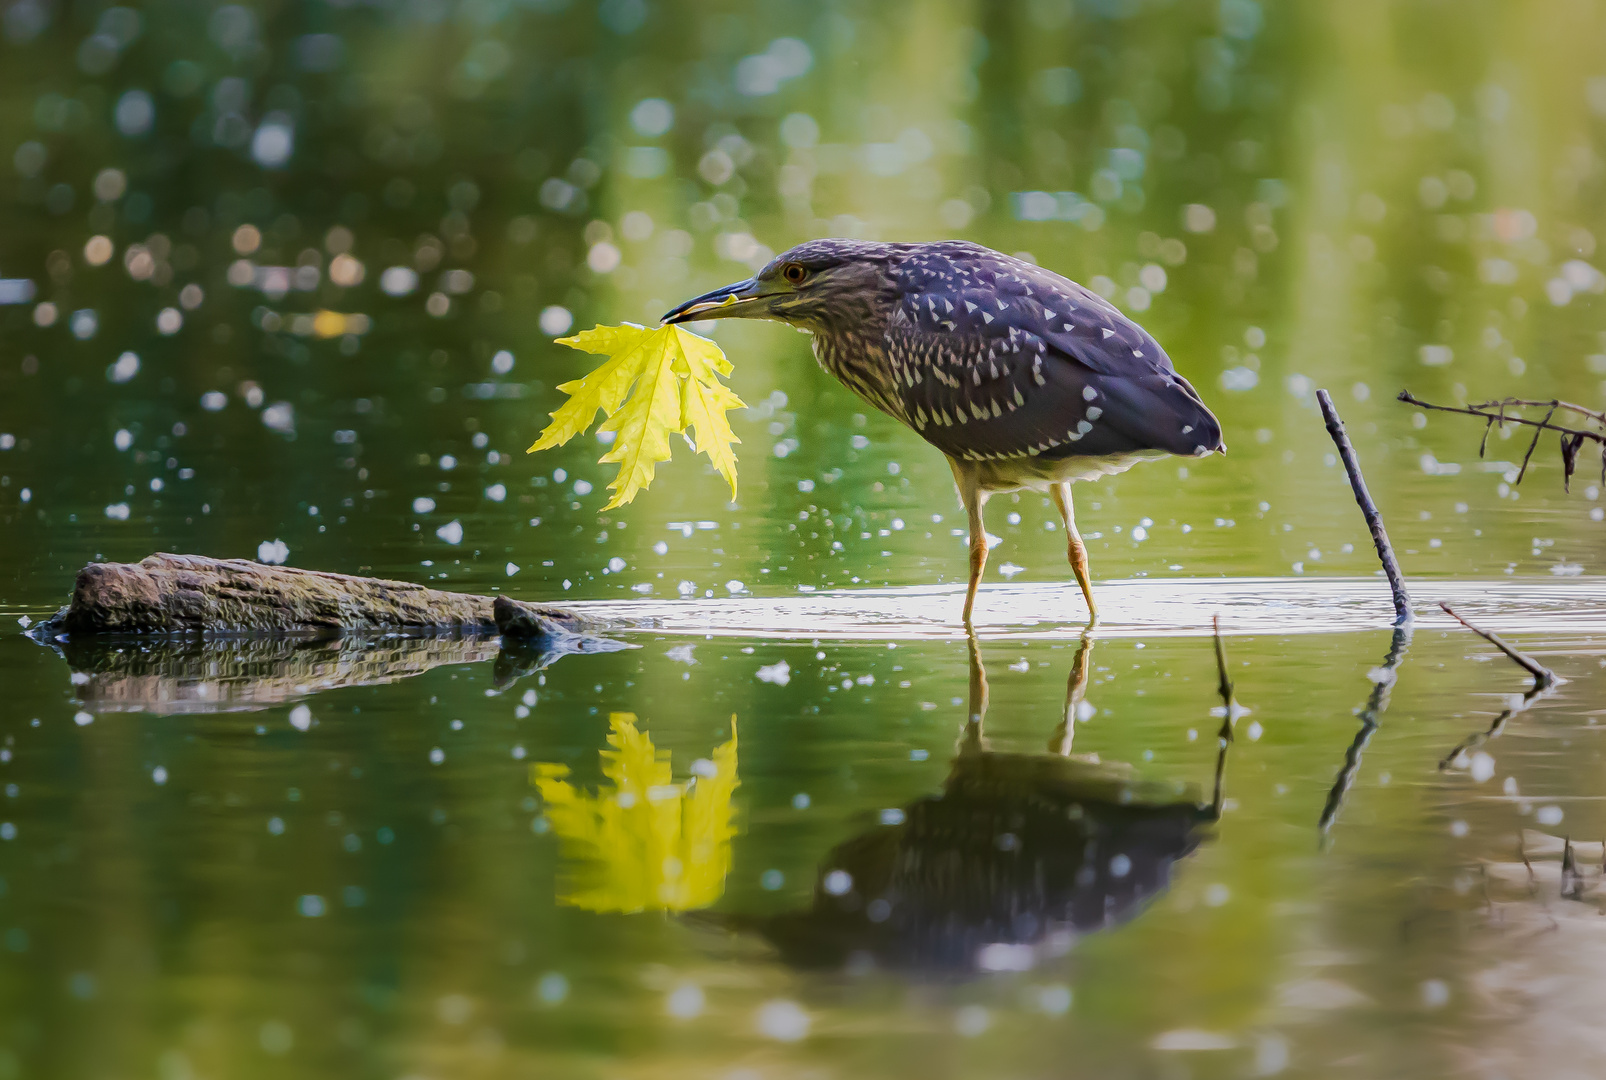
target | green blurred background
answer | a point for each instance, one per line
(1362, 196)
(282, 281)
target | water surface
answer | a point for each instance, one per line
(284, 283)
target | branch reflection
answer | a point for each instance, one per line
(1371, 715)
(1459, 758)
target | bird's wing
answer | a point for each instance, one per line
(995, 358)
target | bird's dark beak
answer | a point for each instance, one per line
(723, 303)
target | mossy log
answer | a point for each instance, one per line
(192, 595)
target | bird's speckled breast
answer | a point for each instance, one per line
(861, 365)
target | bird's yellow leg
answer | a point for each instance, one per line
(978, 560)
(974, 499)
(1076, 550)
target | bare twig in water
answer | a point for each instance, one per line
(1374, 520)
(1572, 882)
(1543, 676)
(1370, 715)
(1495, 412)
(1229, 707)
(1221, 666)
(1545, 683)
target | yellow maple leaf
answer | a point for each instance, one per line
(704, 402)
(656, 383)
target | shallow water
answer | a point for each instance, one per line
(358, 871)
(1132, 608)
(284, 284)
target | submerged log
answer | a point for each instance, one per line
(192, 595)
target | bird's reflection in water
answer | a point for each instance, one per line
(1018, 855)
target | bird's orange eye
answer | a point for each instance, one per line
(794, 273)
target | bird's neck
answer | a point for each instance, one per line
(859, 361)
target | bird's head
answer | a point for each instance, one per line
(820, 286)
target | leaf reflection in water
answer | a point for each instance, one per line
(642, 842)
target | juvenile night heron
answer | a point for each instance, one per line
(1023, 378)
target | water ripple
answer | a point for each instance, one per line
(1167, 607)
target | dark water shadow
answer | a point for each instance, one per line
(520, 657)
(1017, 855)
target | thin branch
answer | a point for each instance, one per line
(1543, 676)
(1495, 411)
(1572, 438)
(1570, 444)
(1374, 520)
(1540, 430)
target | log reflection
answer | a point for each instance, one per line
(171, 676)
(174, 677)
